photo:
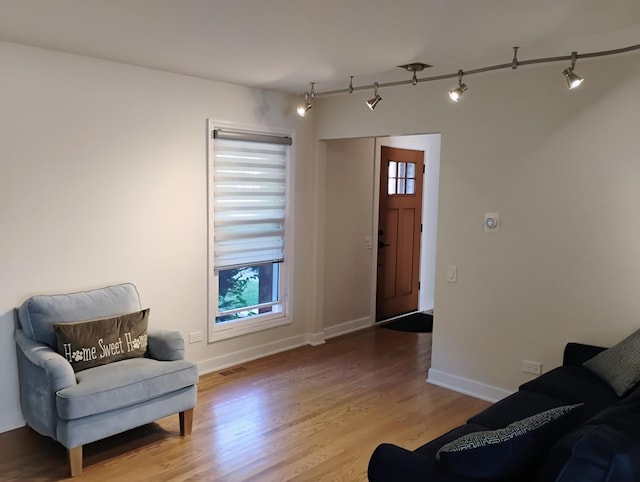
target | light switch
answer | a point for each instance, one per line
(368, 243)
(452, 273)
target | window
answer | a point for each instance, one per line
(402, 178)
(248, 196)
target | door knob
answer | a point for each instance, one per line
(382, 244)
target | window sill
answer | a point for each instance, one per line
(220, 333)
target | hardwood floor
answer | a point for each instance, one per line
(309, 414)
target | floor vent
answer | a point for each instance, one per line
(231, 371)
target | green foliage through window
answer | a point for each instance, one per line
(246, 287)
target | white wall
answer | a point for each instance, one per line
(561, 168)
(348, 212)
(103, 180)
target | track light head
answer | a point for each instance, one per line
(573, 79)
(305, 106)
(350, 89)
(373, 102)
(456, 93)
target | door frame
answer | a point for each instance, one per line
(430, 144)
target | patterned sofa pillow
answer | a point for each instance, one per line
(87, 344)
(508, 451)
(619, 366)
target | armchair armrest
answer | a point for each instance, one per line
(165, 345)
(43, 372)
(575, 354)
(44, 359)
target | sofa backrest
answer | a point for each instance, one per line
(38, 314)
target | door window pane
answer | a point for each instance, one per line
(392, 169)
(401, 178)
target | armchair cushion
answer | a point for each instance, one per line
(128, 382)
(86, 344)
(38, 314)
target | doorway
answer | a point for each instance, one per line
(399, 231)
(348, 180)
(430, 145)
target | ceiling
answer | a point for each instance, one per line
(285, 44)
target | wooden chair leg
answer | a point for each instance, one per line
(186, 422)
(75, 460)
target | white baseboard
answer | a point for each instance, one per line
(253, 353)
(348, 327)
(315, 339)
(11, 421)
(467, 386)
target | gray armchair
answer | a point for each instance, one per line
(78, 408)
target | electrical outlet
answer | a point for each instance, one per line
(531, 367)
(195, 337)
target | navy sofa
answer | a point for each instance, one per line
(602, 446)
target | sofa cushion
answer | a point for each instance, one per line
(600, 449)
(430, 449)
(574, 384)
(511, 450)
(123, 383)
(619, 366)
(87, 344)
(577, 353)
(515, 407)
(392, 463)
(38, 314)
(624, 416)
(593, 453)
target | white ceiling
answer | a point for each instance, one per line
(285, 44)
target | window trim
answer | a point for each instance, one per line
(226, 330)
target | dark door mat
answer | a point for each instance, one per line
(415, 322)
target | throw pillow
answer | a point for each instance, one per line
(87, 344)
(508, 451)
(618, 366)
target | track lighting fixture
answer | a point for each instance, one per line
(304, 108)
(573, 79)
(306, 105)
(373, 102)
(456, 93)
(414, 67)
(514, 62)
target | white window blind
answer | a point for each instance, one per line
(249, 194)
